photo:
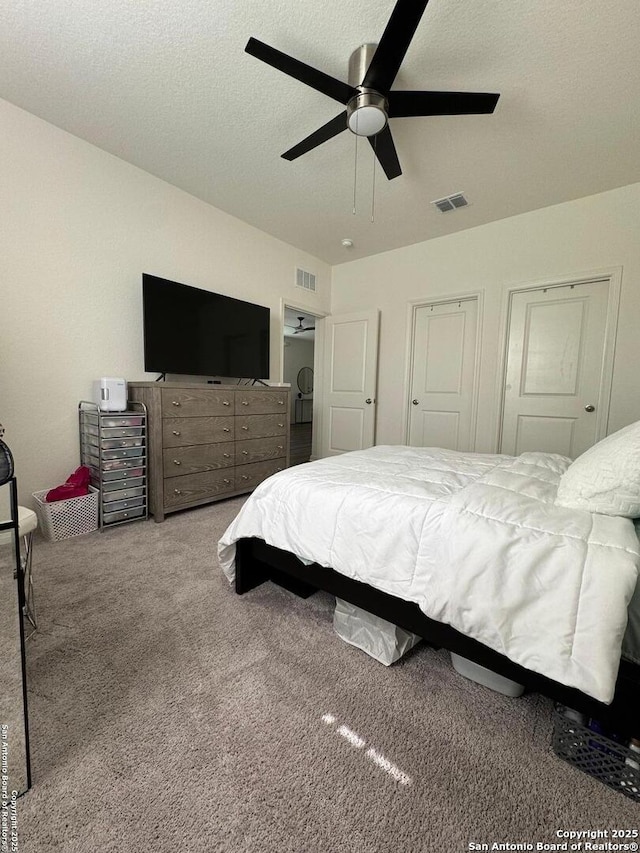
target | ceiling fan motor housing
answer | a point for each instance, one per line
(366, 111)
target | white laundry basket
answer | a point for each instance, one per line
(70, 517)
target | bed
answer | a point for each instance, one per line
(489, 556)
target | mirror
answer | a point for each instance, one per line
(305, 380)
(14, 741)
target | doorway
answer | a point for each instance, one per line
(298, 370)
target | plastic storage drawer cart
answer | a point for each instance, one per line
(71, 517)
(114, 447)
(597, 755)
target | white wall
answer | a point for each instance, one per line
(593, 233)
(298, 353)
(77, 229)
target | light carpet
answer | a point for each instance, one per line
(169, 714)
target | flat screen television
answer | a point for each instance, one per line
(192, 331)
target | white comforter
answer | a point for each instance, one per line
(474, 539)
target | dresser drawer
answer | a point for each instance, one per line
(261, 426)
(93, 430)
(120, 465)
(123, 453)
(117, 485)
(116, 495)
(187, 403)
(123, 515)
(196, 487)
(180, 432)
(115, 443)
(127, 503)
(257, 449)
(126, 419)
(260, 402)
(250, 475)
(125, 473)
(201, 457)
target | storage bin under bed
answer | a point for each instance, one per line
(597, 755)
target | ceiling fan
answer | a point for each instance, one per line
(300, 328)
(367, 96)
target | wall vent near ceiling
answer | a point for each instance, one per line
(450, 202)
(306, 280)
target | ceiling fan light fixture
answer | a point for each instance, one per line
(367, 113)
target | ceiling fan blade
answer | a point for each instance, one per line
(327, 131)
(318, 80)
(394, 44)
(405, 104)
(385, 151)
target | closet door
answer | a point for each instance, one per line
(554, 376)
(443, 375)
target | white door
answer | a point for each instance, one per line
(350, 368)
(555, 359)
(442, 388)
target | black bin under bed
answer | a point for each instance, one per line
(597, 755)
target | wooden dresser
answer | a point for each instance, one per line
(208, 442)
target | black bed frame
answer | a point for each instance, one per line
(257, 562)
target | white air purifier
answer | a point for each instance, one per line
(110, 394)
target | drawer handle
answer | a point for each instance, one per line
(177, 462)
(125, 504)
(245, 477)
(245, 428)
(226, 429)
(280, 425)
(225, 402)
(177, 491)
(123, 444)
(245, 403)
(176, 432)
(175, 403)
(226, 455)
(281, 447)
(226, 481)
(281, 402)
(124, 432)
(245, 452)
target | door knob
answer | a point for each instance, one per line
(589, 408)
(415, 402)
(368, 401)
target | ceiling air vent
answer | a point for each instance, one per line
(450, 202)
(306, 280)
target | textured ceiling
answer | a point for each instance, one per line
(166, 85)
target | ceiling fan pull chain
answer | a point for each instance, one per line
(373, 188)
(355, 169)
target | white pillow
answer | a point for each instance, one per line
(606, 478)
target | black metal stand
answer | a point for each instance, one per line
(14, 525)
